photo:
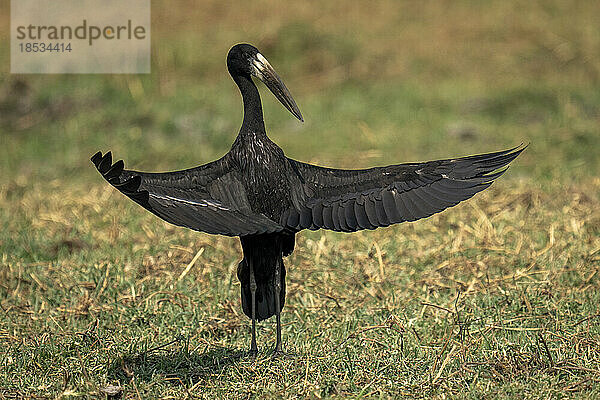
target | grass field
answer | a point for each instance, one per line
(495, 298)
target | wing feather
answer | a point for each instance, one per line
(362, 219)
(207, 198)
(350, 200)
(327, 217)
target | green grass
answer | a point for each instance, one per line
(495, 298)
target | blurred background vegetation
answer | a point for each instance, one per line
(378, 82)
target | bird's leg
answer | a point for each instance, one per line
(253, 347)
(277, 350)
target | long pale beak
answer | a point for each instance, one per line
(265, 72)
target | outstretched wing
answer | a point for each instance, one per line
(350, 200)
(208, 198)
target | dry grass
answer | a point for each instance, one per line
(487, 297)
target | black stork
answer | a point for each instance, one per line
(257, 193)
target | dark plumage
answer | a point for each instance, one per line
(257, 193)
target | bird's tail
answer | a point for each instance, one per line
(264, 256)
(265, 294)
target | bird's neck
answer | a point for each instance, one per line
(253, 116)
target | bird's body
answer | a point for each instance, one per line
(265, 174)
(257, 193)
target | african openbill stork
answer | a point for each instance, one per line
(257, 193)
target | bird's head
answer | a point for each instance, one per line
(246, 60)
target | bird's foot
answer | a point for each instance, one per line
(253, 352)
(278, 353)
